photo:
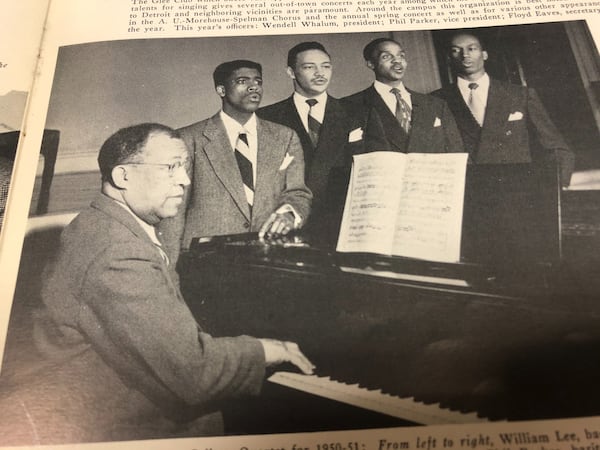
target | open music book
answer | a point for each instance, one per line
(91, 67)
(405, 205)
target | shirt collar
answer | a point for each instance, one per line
(483, 82)
(321, 98)
(149, 229)
(233, 127)
(384, 89)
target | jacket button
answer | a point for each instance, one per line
(246, 225)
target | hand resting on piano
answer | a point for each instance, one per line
(277, 352)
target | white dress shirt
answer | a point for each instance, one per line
(318, 111)
(233, 129)
(480, 94)
(384, 91)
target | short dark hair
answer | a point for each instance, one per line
(466, 32)
(302, 47)
(371, 46)
(126, 143)
(224, 70)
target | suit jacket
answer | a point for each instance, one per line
(514, 119)
(215, 203)
(433, 129)
(126, 345)
(327, 167)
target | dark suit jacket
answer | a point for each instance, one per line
(433, 129)
(215, 203)
(127, 342)
(327, 167)
(514, 119)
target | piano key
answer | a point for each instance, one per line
(403, 408)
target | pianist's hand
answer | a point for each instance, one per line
(277, 352)
(278, 224)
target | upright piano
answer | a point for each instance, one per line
(511, 332)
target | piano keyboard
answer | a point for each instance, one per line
(374, 400)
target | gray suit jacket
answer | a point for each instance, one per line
(215, 203)
(123, 339)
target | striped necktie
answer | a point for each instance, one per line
(314, 126)
(244, 160)
(403, 111)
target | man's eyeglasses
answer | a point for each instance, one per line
(171, 168)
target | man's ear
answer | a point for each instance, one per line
(370, 65)
(485, 55)
(220, 90)
(290, 72)
(119, 177)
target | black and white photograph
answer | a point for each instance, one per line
(310, 232)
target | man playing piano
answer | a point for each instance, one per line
(129, 359)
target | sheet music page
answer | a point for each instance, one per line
(107, 64)
(370, 211)
(429, 220)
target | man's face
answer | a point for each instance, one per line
(311, 73)
(242, 91)
(388, 61)
(467, 57)
(154, 192)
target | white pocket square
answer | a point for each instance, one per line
(517, 115)
(355, 135)
(437, 122)
(286, 161)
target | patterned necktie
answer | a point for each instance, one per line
(475, 104)
(242, 155)
(403, 111)
(314, 126)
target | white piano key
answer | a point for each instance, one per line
(403, 408)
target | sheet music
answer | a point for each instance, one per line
(405, 205)
(371, 205)
(429, 220)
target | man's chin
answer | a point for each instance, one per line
(171, 208)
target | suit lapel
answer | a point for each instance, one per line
(296, 120)
(118, 213)
(297, 125)
(464, 118)
(220, 155)
(333, 132)
(496, 112)
(393, 131)
(267, 161)
(418, 116)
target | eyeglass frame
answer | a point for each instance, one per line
(171, 168)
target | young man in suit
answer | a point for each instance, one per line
(130, 360)
(498, 121)
(395, 118)
(247, 174)
(329, 134)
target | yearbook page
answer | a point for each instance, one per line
(507, 360)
